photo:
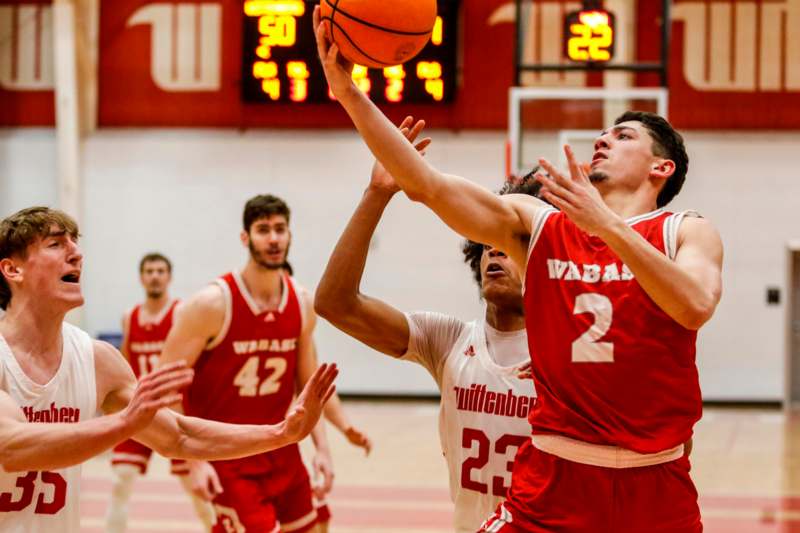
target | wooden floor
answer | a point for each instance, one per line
(746, 464)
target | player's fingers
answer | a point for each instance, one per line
(171, 381)
(322, 42)
(423, 144)
(416, 130)
(330, 393)
(406, 124)
(315, 18)
(574, 168)
(214, 483)
(557, 176)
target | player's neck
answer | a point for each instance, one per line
(264, 285)
(33, 329)
(628, 204)
(504, 318)
(154, 305)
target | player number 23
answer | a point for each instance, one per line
(502, 447)
(587, 348)
(250, 384)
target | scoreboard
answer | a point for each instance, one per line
(280, 62)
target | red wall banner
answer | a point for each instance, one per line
(735, 64)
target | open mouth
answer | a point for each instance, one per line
(73, 277)
(494, 270)
(598, 156)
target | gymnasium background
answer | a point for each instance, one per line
(146, 139)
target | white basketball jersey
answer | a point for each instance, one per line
(49, 501)
(483, 416)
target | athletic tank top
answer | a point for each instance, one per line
(145, 341)
(247, 373)
(483, 416)
(49, 501)
(610, 366)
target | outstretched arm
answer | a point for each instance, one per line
(26, 446)
(470, 210)
(339, 298)
(183, 437)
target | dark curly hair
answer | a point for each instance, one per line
(472, 250)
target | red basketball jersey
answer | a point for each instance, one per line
(145, 341)
(247, 373)
(609, 365)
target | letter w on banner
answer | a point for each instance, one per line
(185, 44)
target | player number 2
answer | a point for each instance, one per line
(27, 483)
(501, 447)
(248, 381)
(587, 348)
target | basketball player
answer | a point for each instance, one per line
(144, 329)
(615, 291)
(484, 405)
(54, 378)
(248, 337)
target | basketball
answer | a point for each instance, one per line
(379, 34)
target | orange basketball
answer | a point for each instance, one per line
(379, 33)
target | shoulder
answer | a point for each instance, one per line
(305, 300)
(111, 369)
(695, 228)
(210, 299)
(431, 323)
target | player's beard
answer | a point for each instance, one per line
(155, 293)
(254, 254)
(598, 176)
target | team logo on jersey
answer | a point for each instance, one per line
(270, 317)
(569, 271)
(478, 399)
(470, 352)
(147, 347)
(264, 345)
(53, 414)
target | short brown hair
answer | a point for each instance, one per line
(152, 258)
(23, 228)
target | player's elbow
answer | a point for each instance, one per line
(330, 305)
(700, 312)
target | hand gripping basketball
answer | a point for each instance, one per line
(305, 413)
(154, 391)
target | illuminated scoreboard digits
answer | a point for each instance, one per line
(281, 65)
(589, 36)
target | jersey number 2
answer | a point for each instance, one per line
(501, 447)
(586, 348)
(248, 381)
(28, 485)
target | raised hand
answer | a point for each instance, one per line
(575, 195)
(304, 414)
(356, 437)
(338, 71)
(380, 178)
(203, 480)
(154, 391)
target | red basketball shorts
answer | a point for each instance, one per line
(264, 503)
(550, 494)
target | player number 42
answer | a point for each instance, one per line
(249, 382)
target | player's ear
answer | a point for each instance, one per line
(245, 238)
(662, 169)
(10, 270)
